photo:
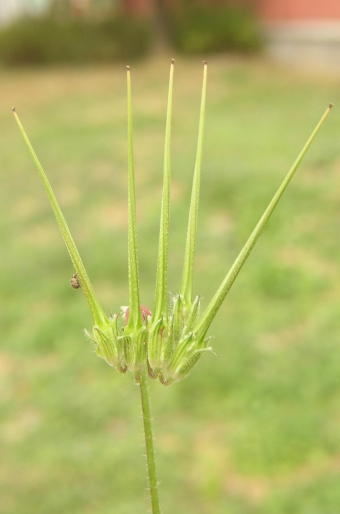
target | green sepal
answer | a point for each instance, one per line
(165, 381)
(122, 368)
(108, 345)
(135, 350)
(185, 356)
(185, 369)
(184, 317)
(159, 346)
(179, 356)
(193, 314)
(177, 318)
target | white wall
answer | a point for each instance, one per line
(309, 44)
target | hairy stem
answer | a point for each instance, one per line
(135, 318)
(188, 268)
(150, 454)
(161, 307)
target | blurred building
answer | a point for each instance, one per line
(305, 32)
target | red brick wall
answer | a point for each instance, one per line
(298, 9)
(138, 7)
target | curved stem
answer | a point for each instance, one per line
(150, 454)
(99, 317)
(216, 302)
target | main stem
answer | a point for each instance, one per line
(150, 454)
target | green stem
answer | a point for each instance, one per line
(98, 314)
(150, 454)
(135, 318)
(188, 268)
(161, 307)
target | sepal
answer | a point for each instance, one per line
(159, 347)
(108, 344)
(193, 314)
(177, 318)
(185, 356)
(135, 349)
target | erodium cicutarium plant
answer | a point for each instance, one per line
(166, 342)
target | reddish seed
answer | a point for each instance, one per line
(144, 311)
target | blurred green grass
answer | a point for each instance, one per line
(254, 429)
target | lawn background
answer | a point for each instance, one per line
(255, 429)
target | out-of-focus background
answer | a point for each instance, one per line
(255, 428)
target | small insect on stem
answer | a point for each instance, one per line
(75, 281)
